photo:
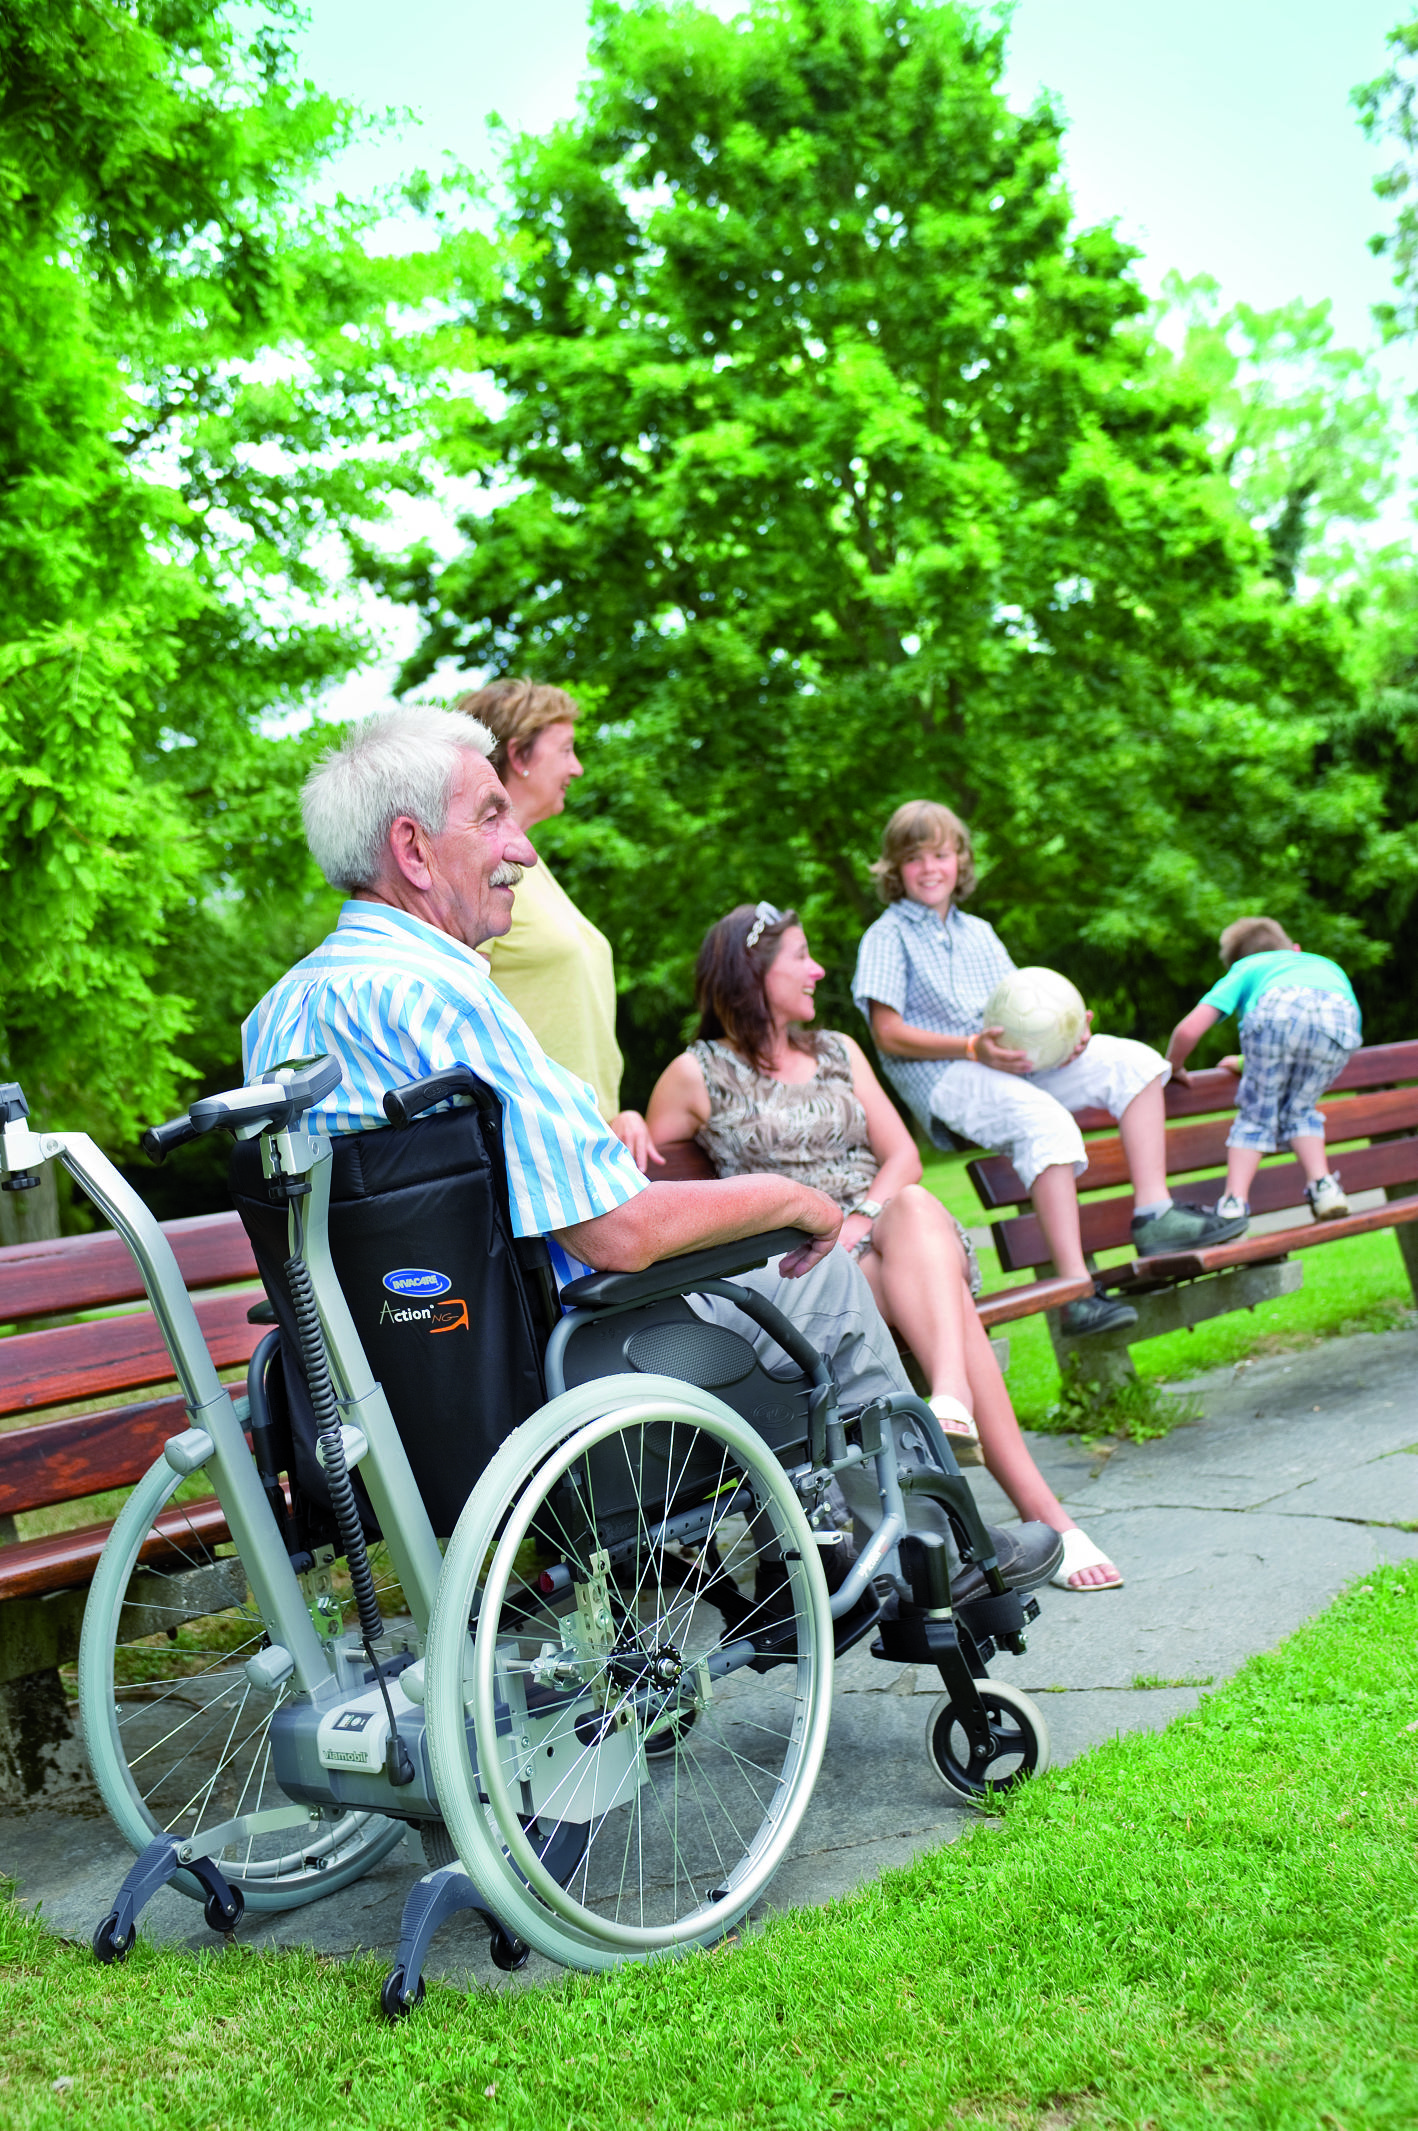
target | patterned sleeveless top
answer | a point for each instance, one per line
(814, 1131)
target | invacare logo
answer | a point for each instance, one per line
(417, 1280)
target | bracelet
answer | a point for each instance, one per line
(972, 1047)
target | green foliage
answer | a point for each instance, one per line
(206, 383)
(830, 468)
(1388, 112)
(1135, 1410)
(1299, 428)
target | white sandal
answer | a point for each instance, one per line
(1080, 1553)
(957, 1423)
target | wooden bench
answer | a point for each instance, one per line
(1371, 1132)
(60, 1460)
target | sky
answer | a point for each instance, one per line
(1218, 134)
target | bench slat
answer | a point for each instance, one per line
(87, 1454)
(62, 1560)
(1253, 1250)
(78, 1361)
(1009, 1303)
(51, 1278)
(1202, 1146)
(1379, 1066)
(1105, 1224)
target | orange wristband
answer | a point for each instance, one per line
(972, 1045)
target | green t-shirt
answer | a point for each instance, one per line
(1245, 980)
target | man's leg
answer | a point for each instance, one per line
(833, 1307)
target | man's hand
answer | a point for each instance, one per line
(633, 1133)
(794, 1263)
(991, 1052)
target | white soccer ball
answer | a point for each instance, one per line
(1041, 1013)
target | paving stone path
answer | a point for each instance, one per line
(1231, 1532)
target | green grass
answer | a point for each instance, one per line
(1209, 1927)
(1359, 1285)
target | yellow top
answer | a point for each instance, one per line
(558, 972)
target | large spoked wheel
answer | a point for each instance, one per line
(586, 1558)
(177, 1738)
(1019, 1743)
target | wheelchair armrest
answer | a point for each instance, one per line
(678, 1276)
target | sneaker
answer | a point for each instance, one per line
(1184, 1228)
(1096, 1313)
(1327, 1200)
(1229, 1208)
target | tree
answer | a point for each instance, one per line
(1388, 111)
(206, 382)
(831, 467)
(1299, 428)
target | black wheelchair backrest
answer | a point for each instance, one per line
(447, 1304)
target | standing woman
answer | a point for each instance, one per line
(760, 1091)
(554, 966)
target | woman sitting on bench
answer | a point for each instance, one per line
(760, 1092)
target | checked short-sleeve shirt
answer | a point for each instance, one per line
(936, 976)
(394, 1000)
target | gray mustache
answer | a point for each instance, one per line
(506, 875)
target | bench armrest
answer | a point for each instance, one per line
(676, 1276)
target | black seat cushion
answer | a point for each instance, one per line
(666, 1338)
(451, 1323)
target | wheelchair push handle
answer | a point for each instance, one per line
(270, 1105)
(159, 1141)
(403, 1105)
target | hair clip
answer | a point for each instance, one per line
(764, 914)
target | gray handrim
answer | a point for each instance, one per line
(566, 1925)
(213, 1757)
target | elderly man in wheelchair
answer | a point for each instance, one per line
(595, 1434)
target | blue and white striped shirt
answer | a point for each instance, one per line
(936, 976)
(395, 999)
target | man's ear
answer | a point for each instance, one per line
(408, 848)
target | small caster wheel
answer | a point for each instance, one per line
(663, 1743)
(508, 1954)
(221, 1919)
(394, 2001)
(107, 1947)
(1019, 1744)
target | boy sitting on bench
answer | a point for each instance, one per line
(1300, 1025)
(925, 973)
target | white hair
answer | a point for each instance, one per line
(401, 762)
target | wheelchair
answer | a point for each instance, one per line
(556, 1580)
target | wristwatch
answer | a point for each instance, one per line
(870, 1207)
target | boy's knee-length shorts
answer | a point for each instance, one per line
(1294, 1041)
(1026, 1116)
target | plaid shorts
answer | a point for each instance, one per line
(1295, 1042)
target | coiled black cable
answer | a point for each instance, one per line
(398, 1763)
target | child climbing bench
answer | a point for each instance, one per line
(1371, 1131)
